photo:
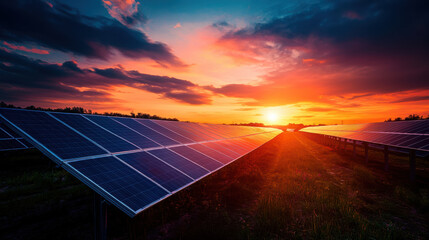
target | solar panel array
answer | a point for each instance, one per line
(134, 163)
(402, 134)
(9, 140)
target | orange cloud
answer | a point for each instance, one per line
(25, 49)
(125, 11)
(312, 60)
(178, 25)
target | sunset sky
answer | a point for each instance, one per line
(275, 62)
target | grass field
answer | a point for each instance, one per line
(290, 188)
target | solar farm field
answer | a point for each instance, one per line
(290, 188)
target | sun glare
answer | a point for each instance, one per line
(272, 117)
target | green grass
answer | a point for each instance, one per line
(290, 188)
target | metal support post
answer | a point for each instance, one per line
(100, 218)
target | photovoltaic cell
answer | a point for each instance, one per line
(9, 141)
(157, 170)
(179, 162)
(10, 144)
(218, 147)
(3, 134)
(52, 134)
(188, 133)
(211, 153)
(164, 131)
(123, 131)
(9, 131)
(106, 139)
(233, 147)
(148, 132)
(27, 144)
(120, 181)
(197, 157)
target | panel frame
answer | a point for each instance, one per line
(397, 143)
(66, 163)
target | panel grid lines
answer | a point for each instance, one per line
(112, 132)
(401, 134)
(139, 162)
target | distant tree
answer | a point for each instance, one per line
(410, 117)
(254, 124)
(82, 110)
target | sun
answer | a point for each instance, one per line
(272, 117)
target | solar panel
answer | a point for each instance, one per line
(154, 168)
(146, 131)
(402, 134)
(123, 131)
(211, 152)
(183, 164)
(107, 140)
(9, 140)
(133, 163)
(197, 157)
(164, 131)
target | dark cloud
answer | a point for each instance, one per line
(358, 47)
(222, 25)
(26, 79)
(360, 96)
(65, 29)
(412, 99)
(125, 12)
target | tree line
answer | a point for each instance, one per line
(82, 110)
(410, 117)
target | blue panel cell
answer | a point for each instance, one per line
(120, 181)
(25, 142)
(106, 139)
(421, 143)
(234, 147)
(10, 144)
(179, 162)
(216, 146)
(123, 131)
(157, 170)
(9, 131)
(164, 131)
(148, 132)
(3, 134)
(197, 157)
(211, 153)
(181, 129)
(54, 135)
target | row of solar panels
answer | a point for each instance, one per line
(402, 134)
(9, 140)
(134, 163)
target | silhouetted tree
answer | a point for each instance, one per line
(82, 110)
(410, 117)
